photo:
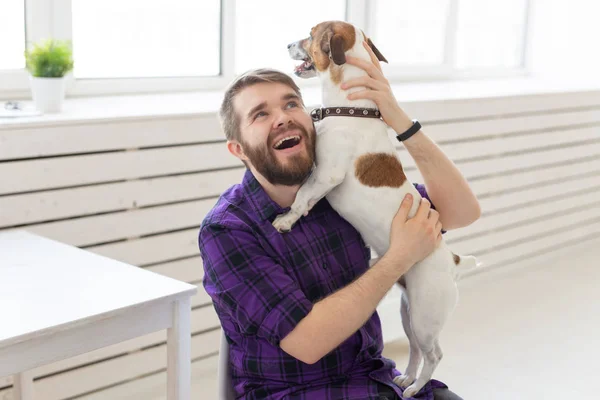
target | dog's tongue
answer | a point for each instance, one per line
(302, 66)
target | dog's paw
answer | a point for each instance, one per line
(411, 390)
(284, 222)
(404, 380)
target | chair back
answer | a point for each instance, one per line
(225, 387)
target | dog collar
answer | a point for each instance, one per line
(319, 113)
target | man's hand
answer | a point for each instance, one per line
(378, 90)
(411, 240)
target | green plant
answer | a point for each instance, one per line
(49, 58)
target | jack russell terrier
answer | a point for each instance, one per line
(358, 169)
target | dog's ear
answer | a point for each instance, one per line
(333, 45)
(337, 50)
(380, 56)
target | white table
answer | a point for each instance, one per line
(58, 301)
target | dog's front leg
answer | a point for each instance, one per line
(321, 182)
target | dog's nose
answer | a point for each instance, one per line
(290, 45)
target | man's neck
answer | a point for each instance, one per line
(280, 194)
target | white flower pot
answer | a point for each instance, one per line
(48, 93)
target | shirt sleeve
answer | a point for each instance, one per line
(249, 287)
(423, 191)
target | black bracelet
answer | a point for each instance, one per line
(416, 126)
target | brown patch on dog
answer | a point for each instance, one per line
(379, 169)
(329, 41)
(456, 258)
(336, 74)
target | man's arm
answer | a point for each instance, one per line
(336, 317)
(446, 186)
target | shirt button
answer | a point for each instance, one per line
(325, 266)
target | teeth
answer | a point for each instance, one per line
(286, 138)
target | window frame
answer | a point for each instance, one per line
(54, 19)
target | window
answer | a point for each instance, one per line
(490, 34)
(409, 32)
(145, 46)
(12, 34)
(264, 28)
(450, 35)
(146, 38)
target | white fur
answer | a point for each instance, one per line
(430, 293)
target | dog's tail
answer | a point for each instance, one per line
(465, 265)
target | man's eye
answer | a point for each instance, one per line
(291, 104)
(259, 114)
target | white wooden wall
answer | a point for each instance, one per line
(137, 190)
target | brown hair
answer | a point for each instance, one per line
(230, 121)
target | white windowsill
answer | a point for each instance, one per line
(132, 107)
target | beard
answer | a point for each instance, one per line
(299, 166)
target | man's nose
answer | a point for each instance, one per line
(282, 119)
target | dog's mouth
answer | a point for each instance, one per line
(307, 65)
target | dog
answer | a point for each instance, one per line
(357, 168)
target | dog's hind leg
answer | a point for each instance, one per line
(415, 356)
(432, 354)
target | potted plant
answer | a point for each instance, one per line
(48, 62)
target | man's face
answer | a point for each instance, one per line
(277, 135)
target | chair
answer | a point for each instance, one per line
(225, 387)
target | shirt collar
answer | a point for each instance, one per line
(264, 206)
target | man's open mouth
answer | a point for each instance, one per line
(287, 142)
(307, 65)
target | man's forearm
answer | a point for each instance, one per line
(446, 186)
(336, 317)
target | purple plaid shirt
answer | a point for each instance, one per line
(263, 283)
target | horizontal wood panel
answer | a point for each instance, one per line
(501, 106)
(500, 125)
(505, 202)
(120, 369)
(500, 146)
(29, 142)
(64, 203)
(186, 270)
(522, 143)
(152, 249)
(508, 238)
(201, 298)
(494, 185)
(542, 245)
(21, 176)
(121, 225)
(521, 215)
(153, 387)
(503, 165)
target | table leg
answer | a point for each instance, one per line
(23, 386)
(179, 371)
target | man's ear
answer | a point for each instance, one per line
(380, 56)
(333, 45)
(236, 149)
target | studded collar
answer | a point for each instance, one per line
(319, 113)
